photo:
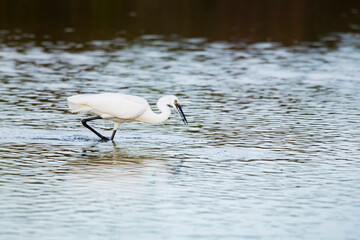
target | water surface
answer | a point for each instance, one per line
(271, 150)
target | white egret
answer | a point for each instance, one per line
(122, 108)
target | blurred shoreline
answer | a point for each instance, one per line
(285, 21)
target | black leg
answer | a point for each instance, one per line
(91, 129)
(113, 135)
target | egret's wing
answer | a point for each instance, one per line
(127, 106)
(116, 105)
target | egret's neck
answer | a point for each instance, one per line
(150, 117)
(165, 113)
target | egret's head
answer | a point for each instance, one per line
(174, 102)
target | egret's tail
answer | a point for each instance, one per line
(76, 104)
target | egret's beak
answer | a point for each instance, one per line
(180, 111)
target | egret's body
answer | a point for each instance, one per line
(121, 108)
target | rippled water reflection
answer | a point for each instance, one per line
(271, 151)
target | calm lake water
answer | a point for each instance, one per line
(271, 150)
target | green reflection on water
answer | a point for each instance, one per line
(285, 21)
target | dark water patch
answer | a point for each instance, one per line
(285, 21)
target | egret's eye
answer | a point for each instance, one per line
(176, 102)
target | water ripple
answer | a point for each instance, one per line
(271, 150)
